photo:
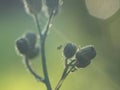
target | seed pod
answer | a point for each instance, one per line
(84, 56)
(69, 50)
(22, 46)
(33, 53)
(31, 37)
(32, 6)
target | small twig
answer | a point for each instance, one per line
(37, 24)
(48, 24)
(43, 57)
(61, 79)
(65, 73)
(32, 71)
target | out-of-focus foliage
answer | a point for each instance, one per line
(75, 24)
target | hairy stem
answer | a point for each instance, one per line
(43, 57)
(32, 71)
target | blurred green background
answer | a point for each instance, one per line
(73, 24)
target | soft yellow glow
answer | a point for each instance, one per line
(20, 82)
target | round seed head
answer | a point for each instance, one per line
(82, 62)
(22, 46)
(88, 52)
(69, 50)
(84, 56)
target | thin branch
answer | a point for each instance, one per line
(48, 24)
(43, 57)
(65, 73)
(38, 24)
(61, 79)
(32, 71)
(45, 72)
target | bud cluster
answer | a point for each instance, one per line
(82, 56)
(27, 45)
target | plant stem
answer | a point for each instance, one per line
(68, 68)
(43, 57)
(32, 71)
(61, 79)
(37, 24)
(48, 24)
(47, 82)
(65, 74)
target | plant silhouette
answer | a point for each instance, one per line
(75, 57)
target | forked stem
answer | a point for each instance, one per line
(68, 68)
(42, 47)
(32, 71)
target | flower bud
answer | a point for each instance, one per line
(31, 37)
(84, 56)
(22, 46)
(69, 50)
(32, 6)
